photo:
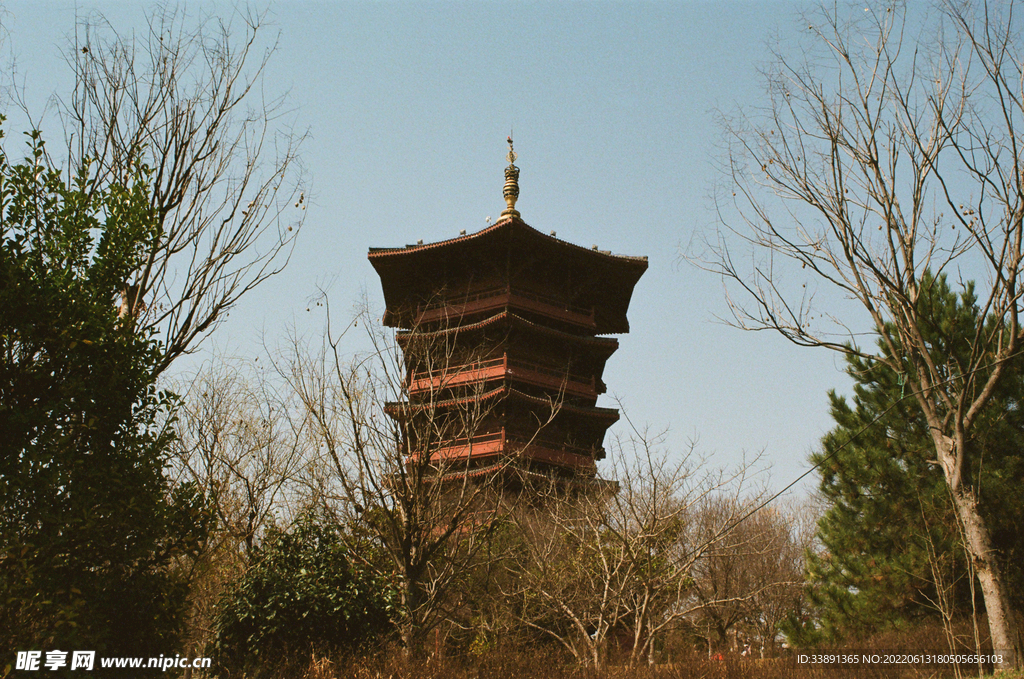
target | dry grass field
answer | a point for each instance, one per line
(540, 664)
(508, 666)
(680, 661)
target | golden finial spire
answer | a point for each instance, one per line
(511, 191)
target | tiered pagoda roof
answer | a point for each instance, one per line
(506, 322)
(409, 275)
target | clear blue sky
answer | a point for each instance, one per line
(614, 107)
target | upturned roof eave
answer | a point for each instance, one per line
(379, 254)
(398, 267)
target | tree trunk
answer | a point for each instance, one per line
(410, 628)
(1001, 621)
(650, 645)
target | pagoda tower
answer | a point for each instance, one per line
(503, 334)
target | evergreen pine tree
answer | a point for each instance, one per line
(889, 518)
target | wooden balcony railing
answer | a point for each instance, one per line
(538, 374)
(458, 375)
(498, 297)
(480, 446)
(499, 444)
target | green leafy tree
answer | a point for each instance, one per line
(304, 592)
(889, 513)
(88, 522)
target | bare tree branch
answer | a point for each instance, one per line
(188, 103)
(882, 162)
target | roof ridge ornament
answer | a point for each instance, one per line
(511, 190)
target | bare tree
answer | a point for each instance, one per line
(659, 515)
(409, 471)
(722, 580)
(616, 561)
(750, 579)
(568, 584)
(236, 443)
(882, 161)
(188, 104)
(236, 446)
(784, 534)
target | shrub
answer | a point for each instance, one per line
(306, 592)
